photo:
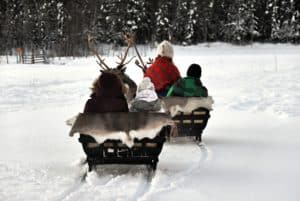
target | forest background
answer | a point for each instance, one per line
(60, 27)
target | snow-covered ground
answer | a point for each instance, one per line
(251, 141)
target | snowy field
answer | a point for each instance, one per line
(252, 140)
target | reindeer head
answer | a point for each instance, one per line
(129, 85)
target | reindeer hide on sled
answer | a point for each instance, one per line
(175, 104)
(120, 125)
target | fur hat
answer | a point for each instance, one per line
(165, 49)
(146, 84)
(194, 71)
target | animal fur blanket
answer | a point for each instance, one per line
(124, 126)
(175, 104)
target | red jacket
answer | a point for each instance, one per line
(163, 73)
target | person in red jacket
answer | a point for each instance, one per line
(163, 73)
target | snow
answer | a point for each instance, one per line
(251, 143)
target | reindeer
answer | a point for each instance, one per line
(120, 69)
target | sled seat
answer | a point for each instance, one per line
(145, 151)
(192, 124)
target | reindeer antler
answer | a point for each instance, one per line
(101, 62)
(142, 65)
(130, 41)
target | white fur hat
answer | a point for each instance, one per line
(165, 49)
(146, 84)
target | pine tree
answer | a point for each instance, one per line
(164, 19)
(100, 26)
(115, 18)
(296, 22)
(76, 26)
(219, 11)
(233, 29)
(50, 22)
(186, 20)
(203, 28)
(287, 20)
(241, 23)
(138, 20)
(3, 26)
(282, 17)
(263, 20)
(14, 31)
(251, 20)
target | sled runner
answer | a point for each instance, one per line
(190, 114)
(122, 138)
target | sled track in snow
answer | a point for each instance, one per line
(144, 186)
(76, 186)
(205, 151)
(177, 178)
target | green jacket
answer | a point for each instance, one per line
(188, 87)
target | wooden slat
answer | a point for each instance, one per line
(187, 121)
(149, 144)
(92, 145)
(199, 113)
(121, 145)
(137, 145)
(198, 121)
(108, 144)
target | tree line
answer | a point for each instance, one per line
(61, 26)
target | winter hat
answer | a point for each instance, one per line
(165, 49)
(146, 84)
(194, 71)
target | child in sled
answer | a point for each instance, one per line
(146, 99)
(190, 86)
(163, 72)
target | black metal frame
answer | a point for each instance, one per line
(145, 151)
(192, 124)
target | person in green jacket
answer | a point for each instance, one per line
(190, 86)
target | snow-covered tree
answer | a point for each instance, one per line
(296, 22)
(14, 33)
(241, 22)
(204, 25)
(186, 20)
(219, 10)
(3, 26)
(100, 26)
(283, 18)
(163, 20)
(138, 20)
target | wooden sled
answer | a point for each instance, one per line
(192, 124)
(144, 150)
(190, 114)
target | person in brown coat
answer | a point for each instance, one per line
(107, 96)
